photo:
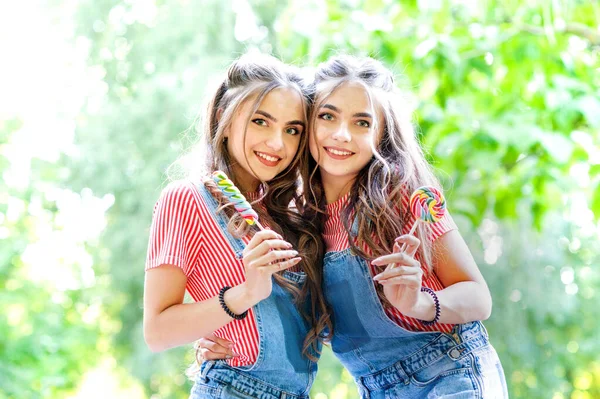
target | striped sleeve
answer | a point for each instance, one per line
(175, 235)
(441, 227)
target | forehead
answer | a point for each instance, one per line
(349, 97)
(283, 103)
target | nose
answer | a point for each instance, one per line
(341, 133)
(275, 141)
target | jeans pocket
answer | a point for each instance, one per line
(443, 367)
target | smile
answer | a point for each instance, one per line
(337, 153)
(267, 159)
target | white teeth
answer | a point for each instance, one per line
(337, 152)
(268, 158)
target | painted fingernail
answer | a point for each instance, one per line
(377, 277)
(228, 356)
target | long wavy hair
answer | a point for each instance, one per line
(251, 78)
(398, 165)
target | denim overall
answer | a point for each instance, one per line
(388, 361)
(280, 371)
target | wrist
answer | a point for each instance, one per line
(425, 308)
(238, 299)
(436, 306)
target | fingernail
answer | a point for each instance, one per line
(377, 277)
(228, 356)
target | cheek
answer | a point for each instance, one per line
(313, 147)
(292, 143)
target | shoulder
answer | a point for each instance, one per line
(181, 194)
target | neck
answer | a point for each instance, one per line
(336, 187)
(246, 182)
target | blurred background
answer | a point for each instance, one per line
(96, 97)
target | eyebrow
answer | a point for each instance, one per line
(356, 115)
(271, 117)
(266, 115)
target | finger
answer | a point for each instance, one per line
(397, 271)
(274, 257)
(410, 244)
(413, 281)
(214, 347)
(264, 247)
(400, 258)
(221, 341)
(209, 355)
(271, 244)
(260, 237)
(283, 265)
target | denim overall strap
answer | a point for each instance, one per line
(212, 204)
(280, 370)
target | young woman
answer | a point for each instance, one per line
(255, 132)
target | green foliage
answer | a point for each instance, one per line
(507, 104)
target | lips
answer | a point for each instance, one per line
(267, 159)
(338, 153)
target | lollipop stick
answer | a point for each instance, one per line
(412, 230)
(259, 225)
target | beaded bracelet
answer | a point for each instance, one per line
(226, 308)
(437, 307)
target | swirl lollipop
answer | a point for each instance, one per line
(239, 201)
(428, 205)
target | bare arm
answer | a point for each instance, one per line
(168, 322)
(466, 296)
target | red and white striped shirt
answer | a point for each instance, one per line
(336, 239)
(185, 234)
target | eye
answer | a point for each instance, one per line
(326, 116)
(363, 123)
(293, 131)
(260, 122)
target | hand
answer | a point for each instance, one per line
(402, 278)
(266, 254)
(212, 347)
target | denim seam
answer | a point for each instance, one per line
(258, 382)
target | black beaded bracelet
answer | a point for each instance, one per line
(437, 307)
(226, 308)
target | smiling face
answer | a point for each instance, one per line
(271, 138)
(343, 138)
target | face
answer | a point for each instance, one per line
(272, 137)
(343, 139)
